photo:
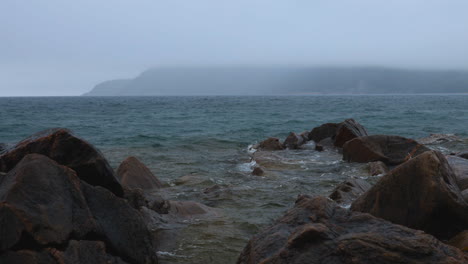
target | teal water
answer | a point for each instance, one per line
(207, 138)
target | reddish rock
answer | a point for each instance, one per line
(270, 144)
(377, 168)
(392, 150)
(348, 130)
(134, 174)
(316, 230)
(422, 193)
(327, 130)
(293, 141)
(349, 190)
(68, 150)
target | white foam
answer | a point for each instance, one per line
(247, 167)
(164, 253)
(251, 149)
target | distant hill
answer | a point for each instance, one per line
(283, 80)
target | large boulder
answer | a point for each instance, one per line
(293, 141)
(347, 191)
(422, 193)
(316, 230)
(324, 131)
(66, 149)
(41, 200)
(460, 169)
(348, 130)
(134, 174)
(392, 150)
(270, 144)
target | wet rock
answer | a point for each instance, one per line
(258, 171)
(319, 147)
(348, 130)
(327, 130)
(460, 241)
(316, 230)
(189, 209)
(422, 193)
(438, 139)
(68, 150)
(89, 252)
(463, 154)
(392, 150)
(305, 136)
(325, 144)
(377, 168)
(349, 190)
(41, 200)
(134, 174)
(293, 141)
(270, 144)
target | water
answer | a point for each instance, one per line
(207, 138)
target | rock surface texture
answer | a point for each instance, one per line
(348, 130)
(134, 174)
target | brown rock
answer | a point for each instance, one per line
(89, 252)
(349, 190)
(316, 230)
(327, 130)
(293, 141)
(257, 171)
(460, 241)
(270, 144)
(377, 168)
(422, 194)
(68, 150)
(134, 174)
(392, 150)
(348, 130)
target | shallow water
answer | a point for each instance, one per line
(207, 138)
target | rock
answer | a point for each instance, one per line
(270, 144)
(324, 144)
(463, 154)
(120, 226)
(348, 130)
(318, 147)
(293, 141)
(305, 136)
(41, 200)
(327, 130)
(438, 139)
(460, 241)
(3, 147)
(27, 257)
(392, 150)
(422, 193)
(134, 174)
(189, 209)
(68, 150)
(377, 168)
(257, 171)
(316, 230)
(349, 190)
(89, 252)
(460, 169)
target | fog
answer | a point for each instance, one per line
(59, 47)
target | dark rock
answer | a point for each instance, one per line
(293, 141)
(89, 252)
(460, 169)
(257, 171)
(27, 257)
(3, 147)
(463, 154)
(270, 144)
(316, 230)
(422, 193)
(324, 144)
(305, 136)
(68, 150)
(189, 209)
(349, 190)
(327, 130)
(41, 200)
(460, 241)
(377, 168)
(392, 150)
(134, 174)
(348, 130)
(318, 147)
(121, 227)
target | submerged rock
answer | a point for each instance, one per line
(392, 150)
(134, 174)
(316, 230)
(377, 168)
(270, 144)
(258, 171)
(348, 130)
(349, 190)
(66, 149)
(438, 138)
(422, 193)
(293, 141)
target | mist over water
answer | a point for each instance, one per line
(207, 138)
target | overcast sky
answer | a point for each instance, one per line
(65, 47)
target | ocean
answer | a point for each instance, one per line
(194, 143)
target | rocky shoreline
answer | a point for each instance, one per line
(61, 202)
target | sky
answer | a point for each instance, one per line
(65, 47)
